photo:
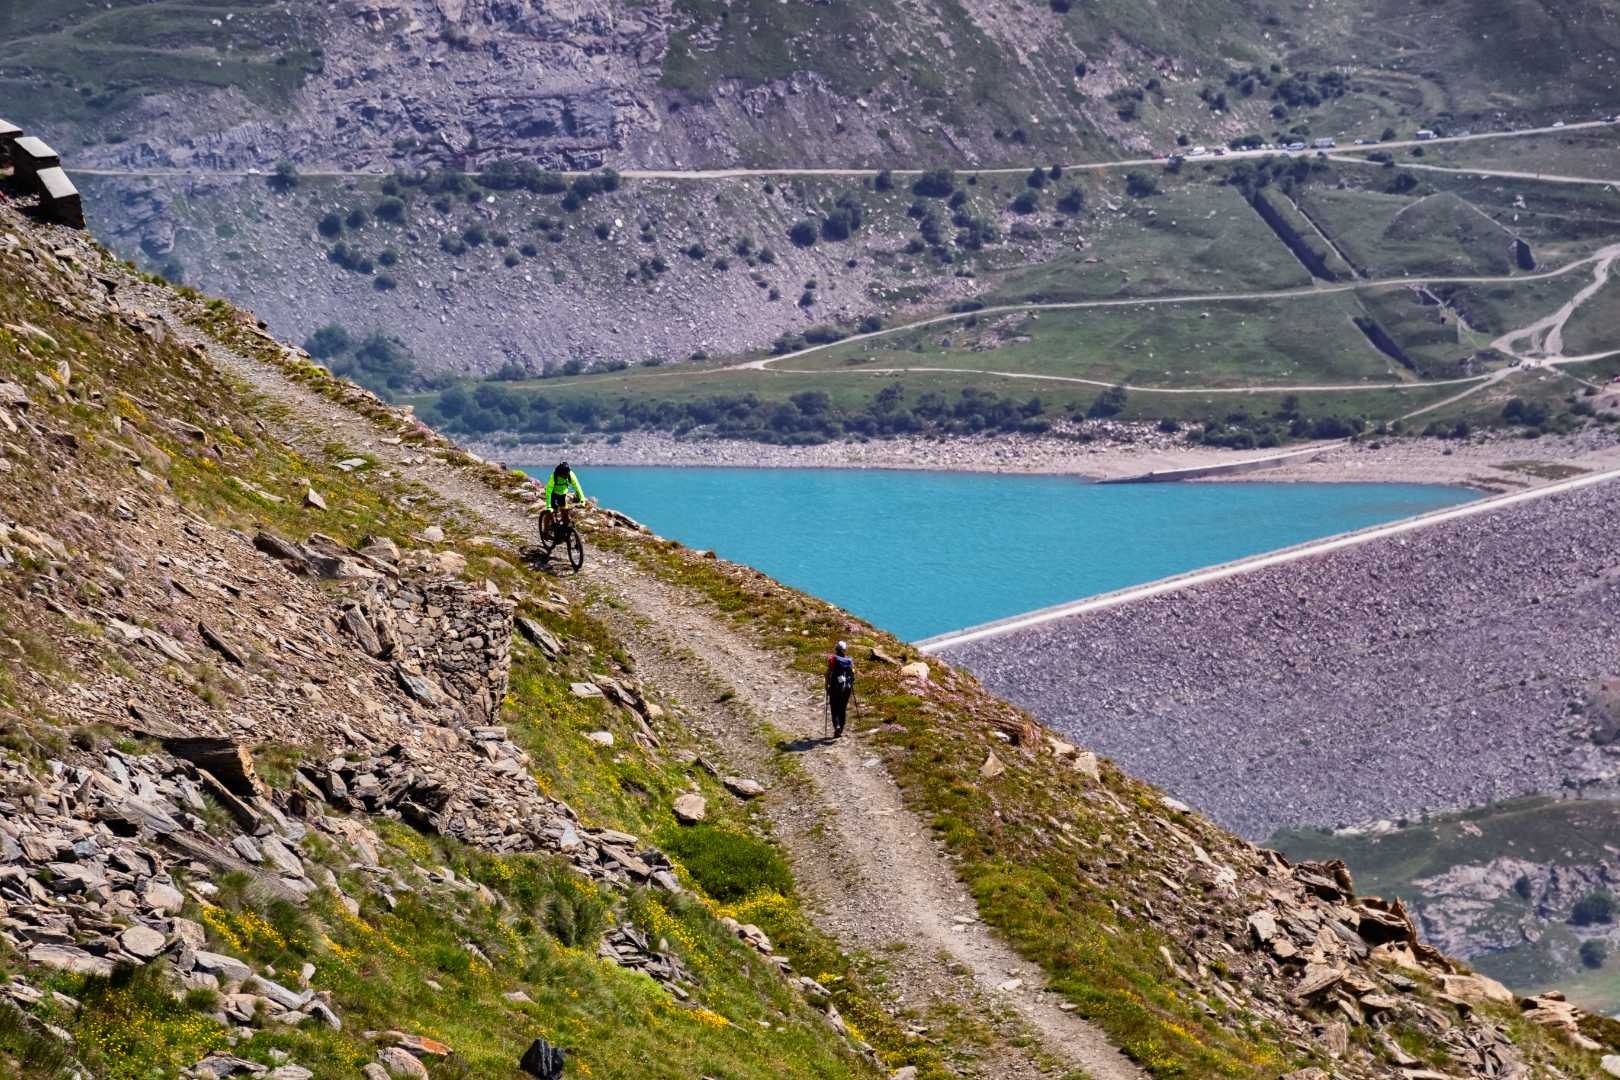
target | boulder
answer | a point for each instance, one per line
(744, 788)
(691, 809)
(992, 767)
(228, 968)
(543, 1060)
(1476, 988)
(402, 1063)
(68, 958)
(381, 549)
(917, 669)
(1610, 1064)
(162, 897)
(313, 499)
(1318, 979)
(600, 738)
(1085, 762)
(142, 942)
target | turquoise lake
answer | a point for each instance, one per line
(922, 553)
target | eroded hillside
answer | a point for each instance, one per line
(298, 725)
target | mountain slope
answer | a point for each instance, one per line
(442, 829)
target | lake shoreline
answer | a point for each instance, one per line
(1492, 462)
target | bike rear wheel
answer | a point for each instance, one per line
(576, 549)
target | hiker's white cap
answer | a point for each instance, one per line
(842, 647)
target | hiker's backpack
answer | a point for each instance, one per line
(843, 674)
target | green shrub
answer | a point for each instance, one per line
(1594, 952)
(284, 179)
(357, 219)
(727, 865)
(803, 233)
(1593, 908)
(1111, 402)
(935, 183)
(391, 210)
(330, 225)
(573, 909)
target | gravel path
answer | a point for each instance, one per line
(1442, 668)
(868, 866)
(871, 867)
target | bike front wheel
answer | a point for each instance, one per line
(576, 549)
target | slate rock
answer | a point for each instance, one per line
(142, 942)
(543, 1060)
(402, 1063)
(690, 809)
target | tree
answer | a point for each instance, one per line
(328, 341)
(1072, 202)
(1140, 185)
(1036, 178)
(1027, 202)
(284, 178)
(1594, 952)
(1111, 402)
(391, 210)
(935, 183)
(884, 180)
(1388, 135)
(803, 233)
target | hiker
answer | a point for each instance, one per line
(840, 686)
(561, 483)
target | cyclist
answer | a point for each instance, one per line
(561, 483)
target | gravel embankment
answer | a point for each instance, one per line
(1491, 461)
(1433, 670)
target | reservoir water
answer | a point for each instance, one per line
(922, 553)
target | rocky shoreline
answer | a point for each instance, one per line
(1492, 461)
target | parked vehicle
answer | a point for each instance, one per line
(1558, 123)
(1425, 135)
(1296, 146)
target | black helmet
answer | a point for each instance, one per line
(563, 469)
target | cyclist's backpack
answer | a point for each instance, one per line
(843, 674)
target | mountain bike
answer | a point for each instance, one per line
(562, 534)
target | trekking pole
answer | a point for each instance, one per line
(826, 716)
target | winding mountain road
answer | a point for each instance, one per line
(791, 171)
(1547, 331)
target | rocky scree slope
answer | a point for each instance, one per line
(154, 586)
(1445, 668)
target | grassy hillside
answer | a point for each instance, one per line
(83, 63)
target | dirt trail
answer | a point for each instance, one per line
(1545, 337)
(866, 862)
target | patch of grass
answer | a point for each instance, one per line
(132, 1026)
(727, 865)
